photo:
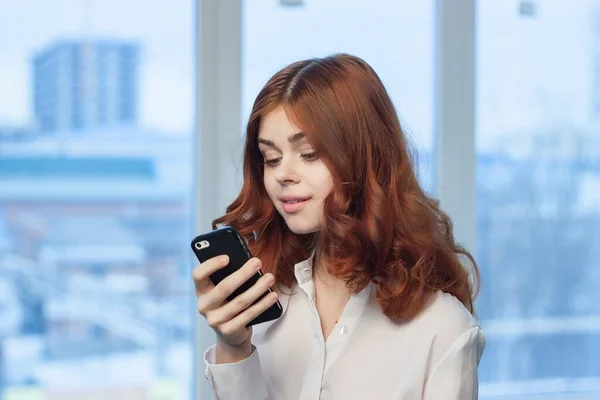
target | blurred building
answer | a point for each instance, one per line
(537, 224)
(83, 84)
(96, 230)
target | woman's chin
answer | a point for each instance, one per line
(302, 227)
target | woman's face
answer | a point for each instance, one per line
(296, 179)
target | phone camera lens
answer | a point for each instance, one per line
(201, 245)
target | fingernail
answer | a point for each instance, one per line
(223, 259)
(257, 264)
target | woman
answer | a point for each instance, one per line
(377, 304)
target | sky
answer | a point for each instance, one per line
(531, 72)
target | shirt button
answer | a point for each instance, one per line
(343, 330)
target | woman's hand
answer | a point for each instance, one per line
(229, 318)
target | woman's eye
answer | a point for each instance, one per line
(310, 156)
(271, 162)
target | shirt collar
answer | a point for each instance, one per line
(303, 270)
(304, 274)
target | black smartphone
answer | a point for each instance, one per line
(227, 241)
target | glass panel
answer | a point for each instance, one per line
(395, 37)
(538, 189)
(96, 121)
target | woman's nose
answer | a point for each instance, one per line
(285, 173)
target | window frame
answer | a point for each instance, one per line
(219, 103)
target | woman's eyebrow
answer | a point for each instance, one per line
(294, 138)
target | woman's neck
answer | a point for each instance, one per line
(321, 272)
(330, 295)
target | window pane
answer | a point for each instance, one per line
(96, 115)
(395, 37)
(538, 194)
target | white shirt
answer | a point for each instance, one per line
(367, 356)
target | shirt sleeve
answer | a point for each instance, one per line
(455, 375)
(240, 380)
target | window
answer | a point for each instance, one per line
(372, 30)
(96, 121)
(538, 194)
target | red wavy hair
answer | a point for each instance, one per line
(379, 225)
